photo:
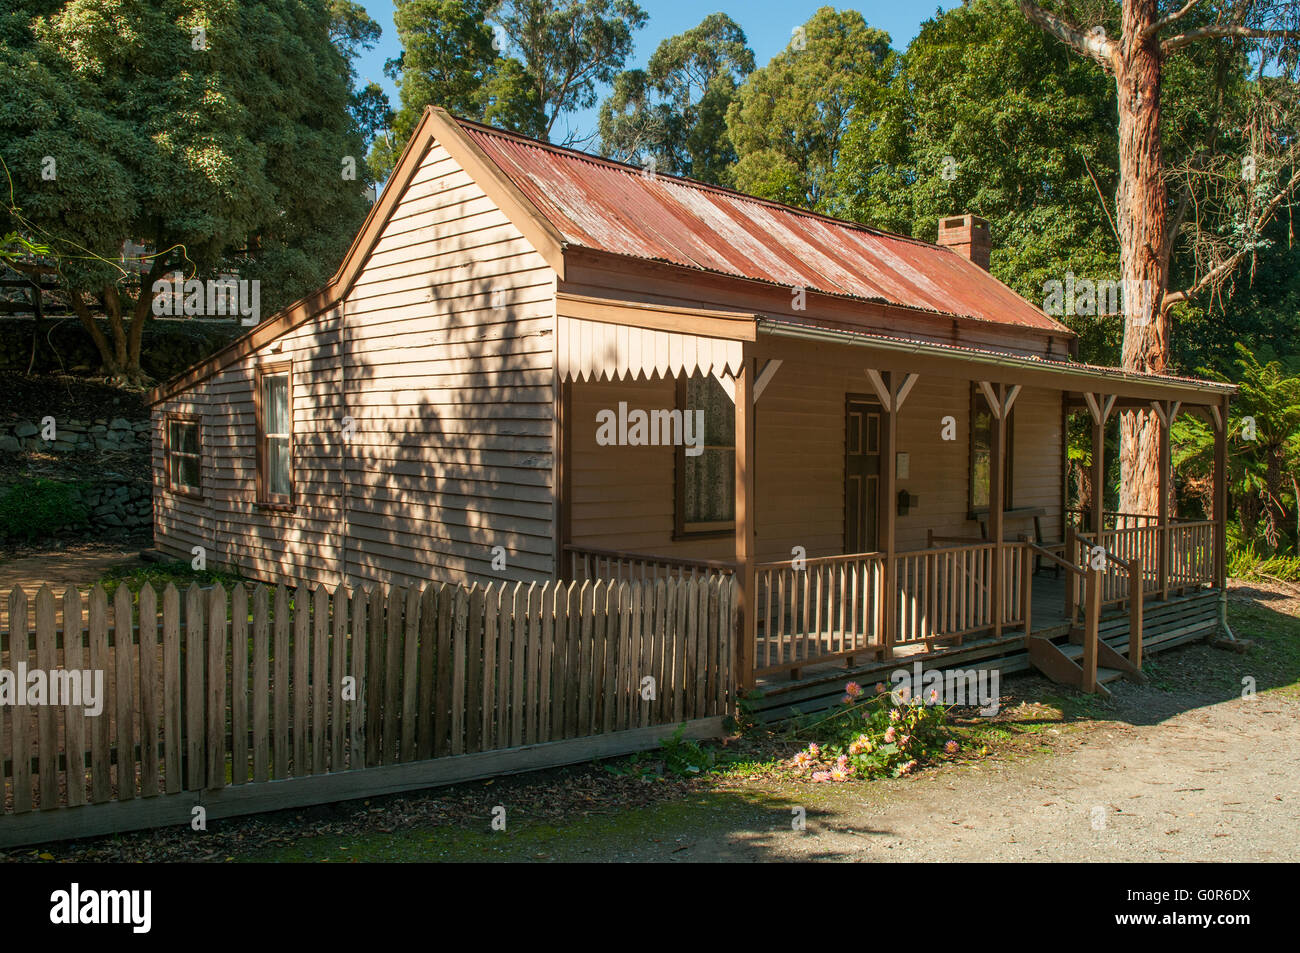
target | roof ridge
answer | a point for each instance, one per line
(689, 182)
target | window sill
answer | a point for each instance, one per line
(704, 534)
(277, 507)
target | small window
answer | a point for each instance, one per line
(706, 482)
(275, 436)
(981, 442)
(183, 455)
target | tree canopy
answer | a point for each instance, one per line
(673, 114)
(212, 133)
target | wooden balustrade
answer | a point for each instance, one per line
(1190, 548)
(1191, 554)
(817, 610)
(944, 594)
(835, 608)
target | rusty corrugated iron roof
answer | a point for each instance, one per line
(611, 207)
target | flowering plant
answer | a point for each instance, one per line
(878, 735)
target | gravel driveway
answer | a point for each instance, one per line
(1218, 783)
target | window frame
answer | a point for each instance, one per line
(265, 499)
(177, 417)
(978, 400)
(713, 529)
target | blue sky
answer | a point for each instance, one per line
(767, 24)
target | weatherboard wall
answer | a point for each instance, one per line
(422, 413)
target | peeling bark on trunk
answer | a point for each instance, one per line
(1142, 211)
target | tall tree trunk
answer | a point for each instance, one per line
(1142, 219)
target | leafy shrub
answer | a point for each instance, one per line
(32, 509)
(1244, 562)
(877, 736)
(683, 756)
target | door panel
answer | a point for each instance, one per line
(861, 474)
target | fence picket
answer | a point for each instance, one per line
(319, 677)
(124, 707)
(338, 666)
(546, 660)
(442, 696)
(18, 717)
(300, 685)
(532, 651)
(358, 655)
(216, 695)
(518, 635)
(74, 714)
(428, 649)
(475, 630)
(459, 645)
(280, 762)
(238, 681)
(172, 739)
(194, 722)
(410, 672)
(505, 634)
(46, 724)
(374, 675)
(101, 785)
(261, 686)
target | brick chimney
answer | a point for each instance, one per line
(968, 236)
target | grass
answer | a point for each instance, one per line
(159, 575)
(701, 813)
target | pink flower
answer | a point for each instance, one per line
(853, 689)
(880, 688)
(815, 750)
(951, 747)
(820, 776)
(847, 700)
(907, 768)
(934, 695)
(902, 742)
(889, 735)
(895, 715)
(861, 745)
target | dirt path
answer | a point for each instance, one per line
(78, 565)
(1219, 783)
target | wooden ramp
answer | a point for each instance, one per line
(1168, 624)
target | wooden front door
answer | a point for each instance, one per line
(861, 473)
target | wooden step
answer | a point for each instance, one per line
(1105, 675)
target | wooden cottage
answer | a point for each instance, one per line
(534, 363)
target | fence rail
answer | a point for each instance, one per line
(205, 690)
(592, 564)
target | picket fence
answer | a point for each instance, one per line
(298, 695)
